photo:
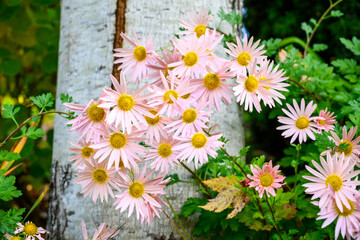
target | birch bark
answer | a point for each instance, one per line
(85, 62)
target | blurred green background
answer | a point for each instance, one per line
(29, 41)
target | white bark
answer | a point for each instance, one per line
(85, 62)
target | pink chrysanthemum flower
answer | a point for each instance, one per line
(244, 54)
(273, 82)
(163, 154)
(118, 145)
(152, 210)
(139, 191)
(213, 87)
(83, 153)
(90, 122)
(252, 89)
(192, 120)
(155, 126)
(348, 220)
(325, 121)
(195, 57)
(30, 230)
(168, 58)
(298, 123)
(129, 108)
(332, 181)
(170, 98)
(197, 147)
(96, 180)
(103, 232)
(266, 179)
(10, 237)
(135, 61)
(347, 145)
(196, 23)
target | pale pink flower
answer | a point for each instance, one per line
(252, 88)
(135, 61)
(195, 57)
(10, 237)
(139, 191)
(213, 87)
(30, 230)
(95, 179)
(244, 54)
(266, 179)
(103, 232)
(129, 108)
(325, 121)
(91, 120)
(332, 180)
(347, 145)
(168, 58)
(197, 147)
(210, 41)
(196, 24)
(163, 154)
(170, 98)
(116, 145)
(192, 120)
(348, 219)
(155, 126)
(298, 123)
(83, 153)
(152, 210)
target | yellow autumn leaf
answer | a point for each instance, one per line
(228, 194)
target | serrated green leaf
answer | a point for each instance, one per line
(191, 206)
(318, 47)
(9, 219)
(336, 13)
(43, 101)
(353, 45)
(32, 132)
(65, 98)
(8, 156)
(307, 28)
(7, 189)
(346, 66)
(9, 111)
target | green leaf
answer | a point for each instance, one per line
(8, 156)
(336, 13)
(65, 98)
(318, 47)
(32, 132)
(7, 189)
(271, 46)
(307, 28)
(191, 206)
(233, 18)
(37, 202)
(10, 66)
(9, 219)
(174, 178)
(353, 46)
(346, 66)
(43, 101)
(9, 111)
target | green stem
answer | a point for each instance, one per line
(273, 217)
(163, 48)
(176, 227)
(197, 178)
(332, 5)
(177, 218)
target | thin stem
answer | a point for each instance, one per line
(273, 217)
(305, 89)
(177, 218)
(332, 5)
(233, 160)
(28, 119)
(196, 176)
(17, 124)
(177, 229)
(163, 48)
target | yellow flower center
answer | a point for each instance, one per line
(302, 122)
(140, 53)
(335, 181)
(167, 96)
(117, 140)
(189, 115)
(86, 151)
(15, 238)
(346, 212)
(186, 96)
(190, 59)
(198, 140)
(164, 150)
(200, 30)
(266, 180)
(125, 102)
(322, 122)
(167, 71)
(95, 113)
(243, 59)
(30, 229)
(136, 189)
(251, 83)
(100, 175)
(348, 149)
(212, 81)
(152, 121)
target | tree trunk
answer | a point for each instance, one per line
(86, 59)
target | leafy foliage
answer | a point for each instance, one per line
(9, 219)
(8, 156)
(9, 111)
(43, 101)
(7, 189)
